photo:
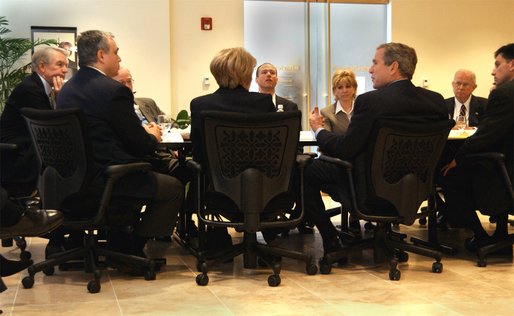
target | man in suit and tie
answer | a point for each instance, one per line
(464, 103)
(395, 97)
(117, 137)
(267, 79)
(19, 168)
(145, 108)
(464, 180)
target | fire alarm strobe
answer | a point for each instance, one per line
(206, 24)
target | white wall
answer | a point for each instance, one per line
(193, 49)
(140, 27)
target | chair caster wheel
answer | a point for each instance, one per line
(150, 275)
(311, 268)
(93, 286)
(402, 256)
(274, 280)
(394, 275)
(369, 226)
(25, 255)
(202, 279)
(481, 262)
(49, 271)
(28, 282)
(324, 266)
(437, 267)
(422, 221)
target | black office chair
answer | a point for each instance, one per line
(65, 183)
(247, 177)
(399, 171)
(497, 163)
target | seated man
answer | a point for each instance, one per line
(494, 134)
(118, 137)
(267, 79)
(396, 96)
(19, 168)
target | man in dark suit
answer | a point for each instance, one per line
(145, 108)
(464, 102)
(19, 168)
(118, 137)
(395, 97)
(494, 134)
(267, 79)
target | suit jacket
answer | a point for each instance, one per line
(288, 105)
(400, 99)
(495, 133)
(224, 99)
(149, 109)
(476, 109)
(335, 123)
(114, 128)
(21, 166)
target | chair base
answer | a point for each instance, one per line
(89, 253)
(388, 245)
(485, 251)
(254, 254)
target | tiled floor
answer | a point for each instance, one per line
(359, 288)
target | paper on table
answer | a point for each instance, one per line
(172, 136)
(307, 136)
(461, 134)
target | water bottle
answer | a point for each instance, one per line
(280, 108)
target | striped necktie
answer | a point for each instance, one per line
(462, 111)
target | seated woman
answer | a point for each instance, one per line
(232, 68)
(338, 115)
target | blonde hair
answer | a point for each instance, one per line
(341, 77)
(232, 67)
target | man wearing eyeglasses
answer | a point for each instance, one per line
(464, 103)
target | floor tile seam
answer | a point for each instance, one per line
(108, 275)
(210, 290)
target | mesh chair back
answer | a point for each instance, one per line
(403, 161)
(62, 151)
(250, 157)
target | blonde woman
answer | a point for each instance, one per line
(338, 115)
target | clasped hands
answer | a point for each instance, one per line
(316, 120)
(154, 129)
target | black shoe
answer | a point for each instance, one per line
(332, 245)
(33, 223)
(354, 227)
(305, 229)
(472, 244)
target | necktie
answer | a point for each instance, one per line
(51, 97)
(462, 111)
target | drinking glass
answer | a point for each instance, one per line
(164, 123)
(461, 122)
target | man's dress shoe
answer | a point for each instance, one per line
(34, 223)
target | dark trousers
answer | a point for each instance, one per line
(329, 178)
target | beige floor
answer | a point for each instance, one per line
(360, 288)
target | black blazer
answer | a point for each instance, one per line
(224, 99)
(400, 99)
(288, 105)
(476, 109)
(21, 166)
(115, 130)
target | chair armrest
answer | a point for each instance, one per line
(343, 163)
(302, 160)
(194, 165)
(117, 171)
(8, 146)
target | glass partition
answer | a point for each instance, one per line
(307, 41)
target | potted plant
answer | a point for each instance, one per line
(11, 52)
